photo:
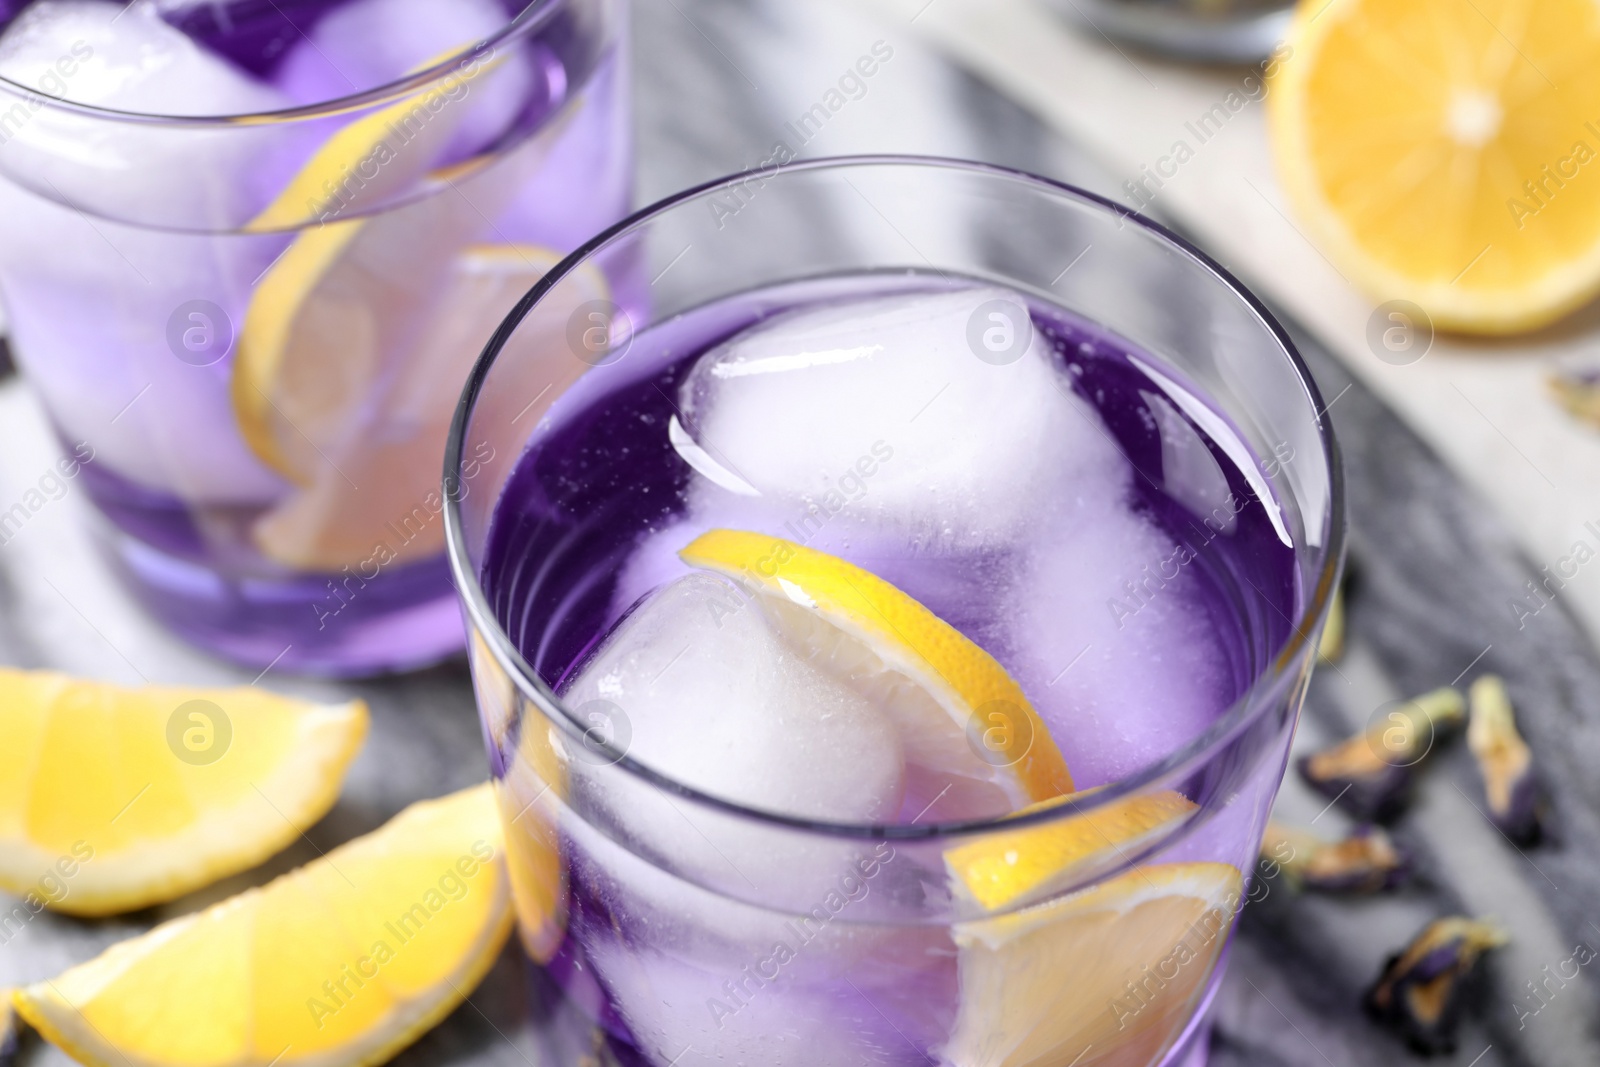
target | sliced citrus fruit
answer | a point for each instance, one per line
(531, 796)
(369, 160)
(1108, 975)
(336, 315)
(341, 962)
(531, 791)
(373, 494)
(1439, 152)
(974, 744)
(113, 798)
(1000, 869)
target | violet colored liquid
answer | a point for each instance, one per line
(576, 542)
(565, 557)
(218, 536)
(602, 480)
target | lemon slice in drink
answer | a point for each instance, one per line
(531, 793)
(341, 962)
(1004, 868)
(1106, 976)
(373, 158)
(1442, 152)
(357, 340)
(974, 744)
(371, 494)
(113, 799)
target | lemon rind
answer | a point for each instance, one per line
(30, 1006)
(218, 845)
(1125, 826)
(41, 1004)
(1041, 772)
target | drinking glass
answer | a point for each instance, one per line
(246, 287)
(670, 926)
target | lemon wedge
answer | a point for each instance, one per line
(1104, 976)
(1000, 869)
(113, 799)
(341, 962)
(1442, 152)
(371, 159)
(371, 408)
(974, 744)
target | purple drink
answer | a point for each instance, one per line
(887, 655)
(258, 324)
(593, 516)
(1133, 610)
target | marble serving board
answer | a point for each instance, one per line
(716, 82)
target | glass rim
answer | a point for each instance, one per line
(532, 16)
(1253, 703)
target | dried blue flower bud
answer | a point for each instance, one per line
(1510, 784)
(1369, 775)
(1578, 390)
(1420, 992)
(1331, 645)
(1367, 861)
(8, 1028)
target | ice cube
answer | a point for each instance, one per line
(797, 981)
(719, 701)
(710, 695)
(1190, 474)
(694, 1017)
(369, 43)
(1111, 641)
(890, 414)
(94, 298)
(125, 57)
(129, 59)
(93, 304)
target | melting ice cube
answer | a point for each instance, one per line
(717, 699)
(888, 413)
(369, 43)
(110, 376)
(696, 684)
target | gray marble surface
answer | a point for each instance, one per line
(715, 82)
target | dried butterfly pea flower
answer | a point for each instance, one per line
(8, 1028)
(1421, 990)
(1368, 861)
(1510, 784)
(1578, 390)
(1370, 774)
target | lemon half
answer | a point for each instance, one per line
(113, 799)
(1446, 153)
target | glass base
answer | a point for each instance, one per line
(328, 625)
(562, 1013)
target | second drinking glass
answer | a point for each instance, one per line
(248, 253)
